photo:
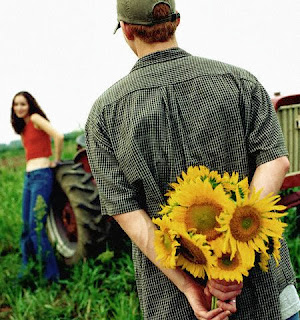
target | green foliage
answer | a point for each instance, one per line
(94, 289)
(12, 153)
(73, 135)
(11, 186)
(292, 237)
(16, 144)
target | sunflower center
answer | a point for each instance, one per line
(225, 263)
(245, 223)
(202, 217)
(192, 252)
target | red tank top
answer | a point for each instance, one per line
(37, 143)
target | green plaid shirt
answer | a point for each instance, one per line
(174, 110)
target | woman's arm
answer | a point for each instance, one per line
(58, 138)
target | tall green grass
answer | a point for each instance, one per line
(95, 289)
(12, 167)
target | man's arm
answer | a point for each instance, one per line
(270, 175)
(139, 227)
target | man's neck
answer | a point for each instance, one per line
(143, 49)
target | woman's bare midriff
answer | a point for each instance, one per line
(37, 163)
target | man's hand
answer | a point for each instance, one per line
(140, 228)
(225, 292)
(201, 303)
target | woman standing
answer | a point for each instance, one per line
(28, 120)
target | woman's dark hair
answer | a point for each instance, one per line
(18, 123)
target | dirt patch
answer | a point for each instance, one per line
(5, 310)
(12, 162)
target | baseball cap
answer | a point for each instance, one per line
(140, 12)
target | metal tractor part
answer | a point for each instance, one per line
(75, 223)
(288, 112)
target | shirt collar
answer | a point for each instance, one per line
(160, 56)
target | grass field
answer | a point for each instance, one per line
(96, 289)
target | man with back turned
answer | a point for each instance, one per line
(174, 110)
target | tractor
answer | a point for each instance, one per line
(288, 112)
(75, 223)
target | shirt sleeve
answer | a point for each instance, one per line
(265, 138)
(115, 193)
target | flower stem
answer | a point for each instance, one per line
(213, 303)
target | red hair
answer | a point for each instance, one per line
(161, 32)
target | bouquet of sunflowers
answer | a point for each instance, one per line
(212, 226)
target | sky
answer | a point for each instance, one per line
(65, 54)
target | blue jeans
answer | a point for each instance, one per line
(294, 317)
(37, 182)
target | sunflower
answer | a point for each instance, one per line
(199, 206)
(165, 242)
(248, 227)
(229, 269)
(214, 178)
(243, 188)
(217, 245)
(195, 254)
(186, 177)
(264, 261)
(231, 185)
(193, 173)
(229, 182)
(276, 250)
(165, 210)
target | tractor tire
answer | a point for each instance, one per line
(75, 224)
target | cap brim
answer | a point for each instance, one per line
(117, 27)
